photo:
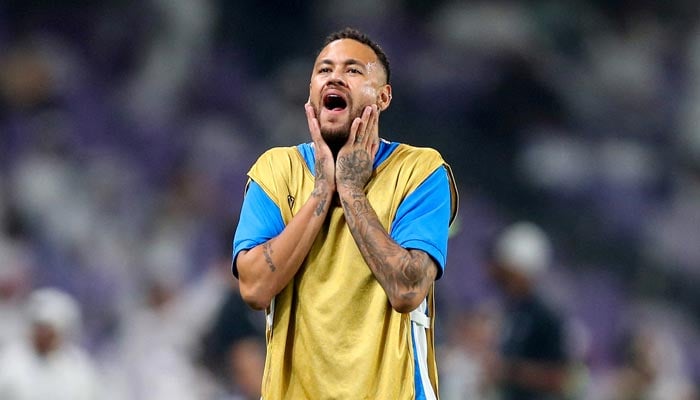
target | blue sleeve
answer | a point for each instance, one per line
(260, 221)
(423, 218)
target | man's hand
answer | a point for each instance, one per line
(325, 166)
(355, 159)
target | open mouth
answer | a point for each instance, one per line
(334, 102)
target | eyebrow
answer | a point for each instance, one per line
(349, 61)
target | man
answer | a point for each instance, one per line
(534, 361)
(47, 363)
(340, 240)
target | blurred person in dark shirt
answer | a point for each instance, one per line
(234, 348)
(534, 364)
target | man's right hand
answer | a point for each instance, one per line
(325, 165)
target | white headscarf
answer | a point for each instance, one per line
(56, 308)
(524, 247)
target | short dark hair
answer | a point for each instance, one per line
(354, 34)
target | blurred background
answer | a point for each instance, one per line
(127, 128)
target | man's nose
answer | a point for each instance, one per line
(336, 78)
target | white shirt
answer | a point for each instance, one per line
(65, 374)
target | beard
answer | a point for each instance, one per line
(335, 138)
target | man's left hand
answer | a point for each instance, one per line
(355, 159)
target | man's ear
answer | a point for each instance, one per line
(384, 97)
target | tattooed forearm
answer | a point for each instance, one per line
(267, 252)
(321, 189)
(403, 273)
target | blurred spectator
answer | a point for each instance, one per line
(179, 37)
(156, 354)
(246, 363)
(672, 233)
(467, 356)
(47, 363)
(652, 364)
(234, 349)
(534, 364)
(14, 284)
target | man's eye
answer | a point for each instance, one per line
(324, 70)
(354, 71)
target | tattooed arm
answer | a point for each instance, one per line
(406, 275)
(266, 269)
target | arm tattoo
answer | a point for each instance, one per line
(267, 252)
(410, 270)
(319, 209)
(318, 190)
(414, 271)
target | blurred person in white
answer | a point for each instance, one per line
(14, 283)
(654, 365)
(15, 266)
(533, 363)
(672, 230)
(155, 354)
(467, 355)
(178, 36)
(47, 363)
